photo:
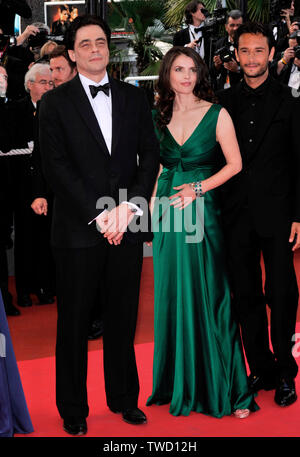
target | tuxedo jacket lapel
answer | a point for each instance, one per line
(118, 104)
(85, 110)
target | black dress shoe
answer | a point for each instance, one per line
(95, 330)
(256, 383)
(24, 300)
(11, 310)
(45, 298)
(132, 416)
(285, 394)
(75, 425)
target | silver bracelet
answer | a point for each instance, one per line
(197, 188)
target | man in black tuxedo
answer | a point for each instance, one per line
(194, 36)
(97, 142)
(262, 214)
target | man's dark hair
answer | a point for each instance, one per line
(83, 21)
(255, 28)
(60, 51)
(234, 14)
(191, 8)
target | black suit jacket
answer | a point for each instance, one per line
(219, 76)
(78, 166)
(269, 182)
(182, 38)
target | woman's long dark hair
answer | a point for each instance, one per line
(166, 95)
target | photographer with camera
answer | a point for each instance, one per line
(16, 57)
(287, 64)
(194, 35)
(282, 25)
(226, 71)
(8, 10)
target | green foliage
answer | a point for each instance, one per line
(141, 17)
(258, 10)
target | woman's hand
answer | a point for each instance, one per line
(184, 197)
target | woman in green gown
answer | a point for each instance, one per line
(198, 358)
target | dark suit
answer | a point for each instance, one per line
(219, 77)
(182, 38)
(80, 170)
(20, 169)
(259, 206)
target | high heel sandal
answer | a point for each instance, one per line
(241, 413)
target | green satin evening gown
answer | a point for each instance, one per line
(198, 359)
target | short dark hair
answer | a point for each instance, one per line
(234, 14)
(60, 51)
(254, 28)
(191, 8)
(83, 21)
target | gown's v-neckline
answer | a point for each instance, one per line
(192, 134)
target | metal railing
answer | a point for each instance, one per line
(135, 79)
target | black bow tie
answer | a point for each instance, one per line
(95, 89)
(198, 30)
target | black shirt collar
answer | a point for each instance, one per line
(259, 91)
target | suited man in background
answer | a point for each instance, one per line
(92, 129)
(193, 36)
(261, 211)
(31, 271)
(227, 74)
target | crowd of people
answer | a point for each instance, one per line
(219, 159)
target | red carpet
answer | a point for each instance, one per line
(33, 335)
(38, 377)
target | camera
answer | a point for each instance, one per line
(38, 40)
(226, 53)
(7, 40)
(297, 51)
(217, 18)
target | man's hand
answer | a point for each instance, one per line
(115, 223)
(40, 206)
(30, 30)
(232, 66)
(295, 235)
(289, 54)
(192, 44)
(217, 62)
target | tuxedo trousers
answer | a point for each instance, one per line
(246, 247)
(79, 272)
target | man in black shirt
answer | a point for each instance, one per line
(261, 209)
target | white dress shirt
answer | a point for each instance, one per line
(294, 80)
(195, 36)
(102, 107)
